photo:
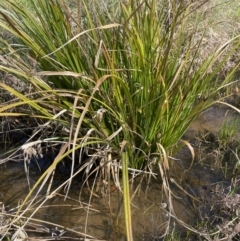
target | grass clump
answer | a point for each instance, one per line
(219, 149)
(229, 145)
(122, 86)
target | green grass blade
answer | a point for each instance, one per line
(126, 195)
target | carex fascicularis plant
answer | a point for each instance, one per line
(128, 77)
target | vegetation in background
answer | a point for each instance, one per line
(221, 150)
(104, 84)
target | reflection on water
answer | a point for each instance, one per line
(102, 217)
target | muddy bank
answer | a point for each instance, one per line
(211, 121)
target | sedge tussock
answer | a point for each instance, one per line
(125, 89)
